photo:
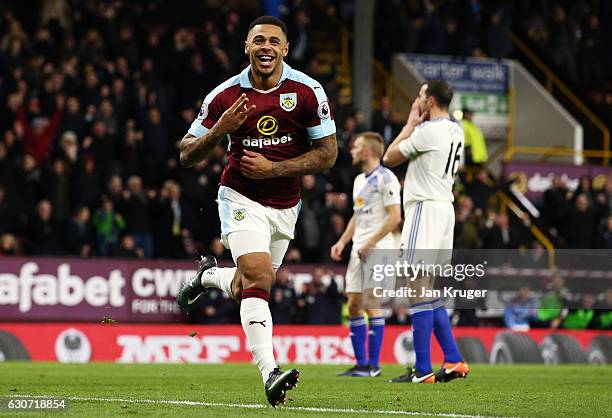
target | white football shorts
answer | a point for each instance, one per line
(274, 227)
(427, 235)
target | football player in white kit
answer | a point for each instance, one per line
(377, 212)
(433, 143)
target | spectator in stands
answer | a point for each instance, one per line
(604, 235)
(283, 299)
(87, 183)
(333, 232)
(68, 152)
(8, 245)
(592, 49)
(301, 48)
(108, 225)
(214, 307)
(521, 310)
(497, 234)
(561, 42)
(136, 210)
(308, 230)
(320, 304)
(475, 145)
(8, 215)
(128, 248)
(536, 256)
(498, 43)
(7, 175)
(481, 189)
(464, 314)
(78, 233)
(601, 210)
(155, 140)
(57, 190)
(581, 315)
(100, 148)
(171, 221)
(44, 232)
(39, 133)
(555, 201)
(556, 298)
(603, 314)
(579, 224)
(73, 119)
(383, 123)
(468, 223)
(585, 187)
(28, 184)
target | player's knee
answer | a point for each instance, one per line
(355, 308)
(257, 276)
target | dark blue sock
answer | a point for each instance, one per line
(422, 326)
(358, 338)
(375, 338)
(444, 335)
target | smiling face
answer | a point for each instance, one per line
(266, 46)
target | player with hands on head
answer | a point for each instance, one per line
(434, 145)
(279, 127)
(377, 212)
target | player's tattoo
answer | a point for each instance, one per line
(321, 157)
(194, 149)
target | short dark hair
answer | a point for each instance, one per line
(269, 20)
(441, 91)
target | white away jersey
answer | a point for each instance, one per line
(435, 151)
(371, 194)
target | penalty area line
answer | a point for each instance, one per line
(250, 406)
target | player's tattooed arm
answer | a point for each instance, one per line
(196, 149)
(321, 157)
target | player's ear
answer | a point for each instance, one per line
(286, 49)
(246, 48)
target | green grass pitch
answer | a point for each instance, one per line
(232, 390)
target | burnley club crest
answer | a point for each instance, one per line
(288, 101)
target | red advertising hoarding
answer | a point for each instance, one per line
(143, 343)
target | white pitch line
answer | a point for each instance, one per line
(254, 406)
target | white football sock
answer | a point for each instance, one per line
(257, 324)
(220, 278)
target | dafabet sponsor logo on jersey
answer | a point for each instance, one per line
(267, 126)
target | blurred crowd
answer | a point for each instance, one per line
(574, 37)
(95, 96)
(581, 218)
(556, 307)
(318, 301)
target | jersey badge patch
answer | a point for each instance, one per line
(239, 214)
(288, 101)
(203, 111)
(323, 110)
